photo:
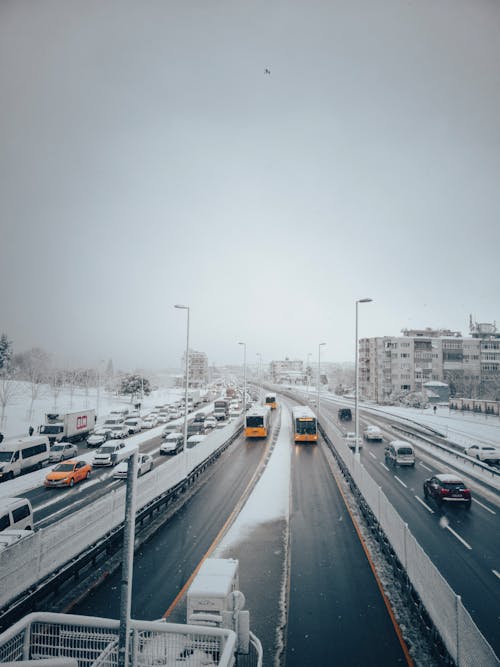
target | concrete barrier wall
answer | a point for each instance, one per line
(31, 560)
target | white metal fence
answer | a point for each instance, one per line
(462, 638)
(93, 642)
(25, 563)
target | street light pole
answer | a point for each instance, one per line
(260, 373)
(244, 377)
(356, 446)
(319, 373)
(308, 375)
(186, 371)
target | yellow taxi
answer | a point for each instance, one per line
(68, 473)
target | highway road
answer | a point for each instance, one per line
(335, 607)
(464, 545)
(331, 587)
(336, 612)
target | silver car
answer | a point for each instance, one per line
(61, 451)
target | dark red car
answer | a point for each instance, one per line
(447, 488)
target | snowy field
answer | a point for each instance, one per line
(17, 420)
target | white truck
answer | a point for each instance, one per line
(195, 396)
(221, 409)
(71, 426)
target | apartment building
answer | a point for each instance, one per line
(391, 366)
(288, 371)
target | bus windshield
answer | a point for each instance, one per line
(254, 421)
(303, 426)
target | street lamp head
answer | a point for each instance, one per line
(241, 343)
(364, 300)
(178, 305)
(322, 344)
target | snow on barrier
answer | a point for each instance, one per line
(25, 563)
(460, 635)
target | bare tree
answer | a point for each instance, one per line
(72, 381)
(56, 384)
(32, 367)
(9, 389)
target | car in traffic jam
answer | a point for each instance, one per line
(67, 474)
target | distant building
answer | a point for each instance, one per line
(288, 371)
(197, 369)
(391, 366)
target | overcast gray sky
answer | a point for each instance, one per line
(146, 159)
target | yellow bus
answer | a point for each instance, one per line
(304, 426)
(257, 423)
(270, 401)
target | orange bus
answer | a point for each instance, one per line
(257, 423)
(270, 400)
(304, 426)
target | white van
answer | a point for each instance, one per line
(16, 513)
(19, 455)
(400, 453)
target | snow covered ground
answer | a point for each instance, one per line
(17, 419)
(18, 424)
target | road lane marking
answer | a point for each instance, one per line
(486, 508)
(372, 455)
(497, 574)
(460, 539)
(426, 467)
(400, 481)
(384, 466)
(429, 509)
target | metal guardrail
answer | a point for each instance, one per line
(495, 474)
(419, 432)
(93, 642)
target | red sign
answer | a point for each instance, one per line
(81, 422)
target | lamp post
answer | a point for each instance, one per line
(319, 372)
(186, 371)
(260, 373)
(244, 377)
(356, 417)
(308, 375)
(99, 386)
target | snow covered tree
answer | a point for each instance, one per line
(134, 384)
(5, 352)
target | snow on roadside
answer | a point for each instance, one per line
(17, 422)
(270, 499)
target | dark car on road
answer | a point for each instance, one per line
(447, 488)
(345, 414)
